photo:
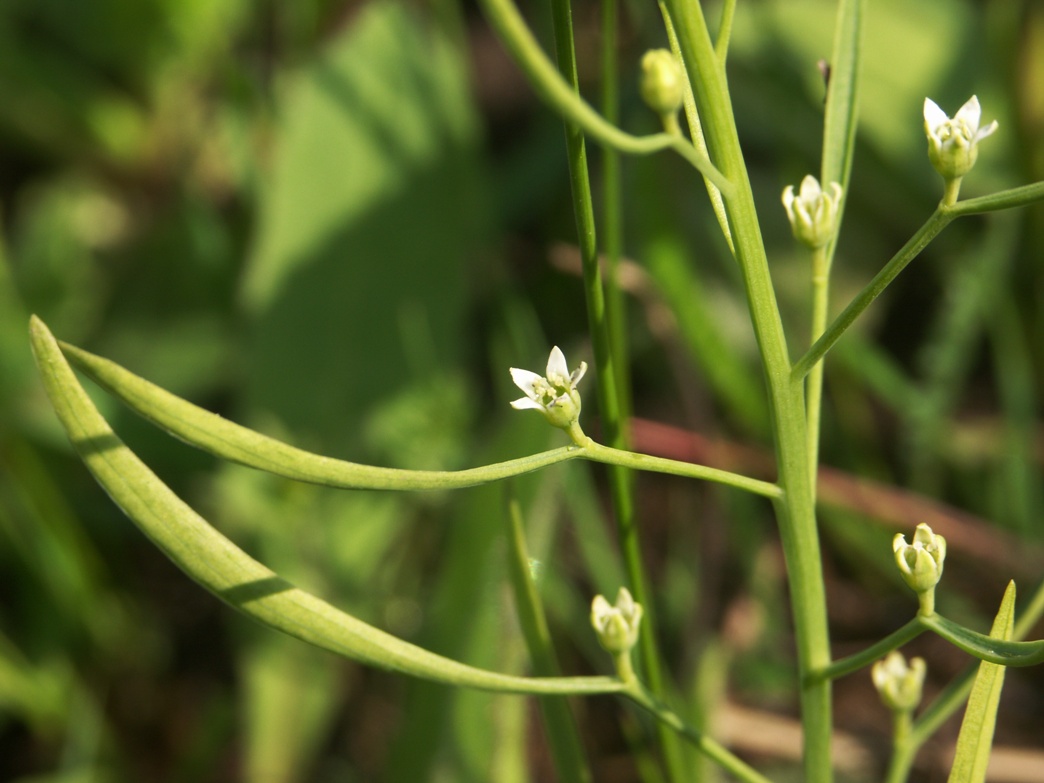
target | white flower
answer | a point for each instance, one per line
(920, 563)
(900, 685)
(554, 394)
(616, 626)
(953, 144)
(813, 212)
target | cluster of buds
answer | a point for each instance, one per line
(617, 627)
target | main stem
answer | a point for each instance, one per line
(795, 510)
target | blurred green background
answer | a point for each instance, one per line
(340, 222)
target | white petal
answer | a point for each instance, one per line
(984, 132)
(556, 364)
(624, 602)
(524, 379)
(600, 609)
(933, 115)
(577, 374)
(970, 113)
(525, 403)
(810, 189)
(788, 198)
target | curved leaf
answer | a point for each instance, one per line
(232, 575)
(231, 441)
(986, 648)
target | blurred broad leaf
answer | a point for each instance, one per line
(371, 211)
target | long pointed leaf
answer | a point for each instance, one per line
(980, 717)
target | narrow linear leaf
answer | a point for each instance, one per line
(233, 442)
(233, 576)
(980, 717)
(1001, 651)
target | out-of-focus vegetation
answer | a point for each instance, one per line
(341, 223)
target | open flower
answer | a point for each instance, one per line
(813, 212)
(899, 685)
(616, 626)
(953, 144)
(554, 394)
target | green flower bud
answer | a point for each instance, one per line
(899, 685)
(921, 563)
(953, 145)
(616, 626)
(663, 82)
(813, 212)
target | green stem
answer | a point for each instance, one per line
(612, 208)
(548, 82)
(903, 750)
(943, 215)
(728, 13)
(562, 735)
(873, 653)
(925, 234)
(1005, 199)
(609, 398)
(814, 385)
(704, 744)
(795, 509)
(610, 456)
(692, 117)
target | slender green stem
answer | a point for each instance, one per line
(511, 28)
(721, 45)
(951, 191)
(609, 398)
(874, 652)
(795, 510)
(612, 210)
(903, 755)
(903, 750)
(563, 738)
(943, 215)
(713, 750)
(814, 385)
(1005, 199)
(692, 117)
(842, 105)
(610, 456)
(925, 234)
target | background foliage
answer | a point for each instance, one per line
(341, 223)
